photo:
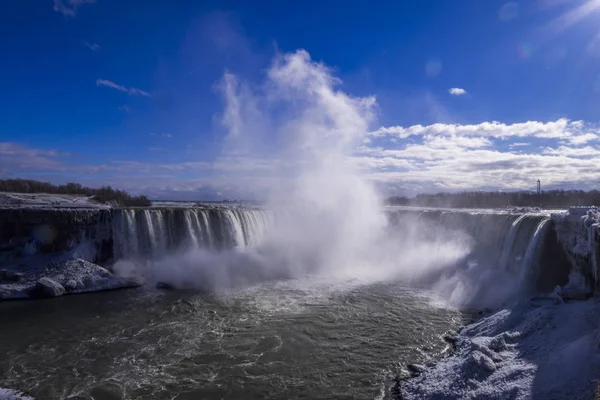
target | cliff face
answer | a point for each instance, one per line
(578, 232)
(105, 235)
(25, 231)
(570, 240)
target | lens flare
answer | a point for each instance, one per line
(596, 85)
(508, 11)
(525, 50)
(433, 68)
(575, 15)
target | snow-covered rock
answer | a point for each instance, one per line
(46, 287)
(528, 352)
(482, 361)
(9, 394)
(416, 369)
(57, 278)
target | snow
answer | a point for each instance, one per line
(533, 351)
(575, 226)
(74, 276)
(9, 394)
(45, 200)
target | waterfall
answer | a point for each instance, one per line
(508, 241)
(529, 263)
(143, 233)
(236, 228)
(192, 226)
(513, 242)
(206, 230)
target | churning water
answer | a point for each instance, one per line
(295, 339)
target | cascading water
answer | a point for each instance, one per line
(522, 245)
(152, 233)
(503, 240)
(510, 254)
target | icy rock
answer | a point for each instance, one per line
(485, 350)
(9, 394)
(498, 343)
(483, 361)
(552, 353)
(46, 287)
(83, 276)
(71, 285)
(450, 337)
(71, 276)
(416, 368)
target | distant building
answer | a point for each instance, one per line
(539, 187)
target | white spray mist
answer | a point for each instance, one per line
(332, 221)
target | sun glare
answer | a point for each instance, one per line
(575, 15)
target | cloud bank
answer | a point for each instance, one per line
(404, 160)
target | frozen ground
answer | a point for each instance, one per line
(544, 350)
(8, 394)
(43, 200)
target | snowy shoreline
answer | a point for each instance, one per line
(59, 278)
(541, 349)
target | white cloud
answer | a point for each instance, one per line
(573, 151)
(463, 157)
(518, 144)
(559, 129)
(16, 158)
(584, 138)
(435, 157)
(91, 46)
(124, 108)
(129, 91)
(445, 142)
(68, 8)
(457, 91)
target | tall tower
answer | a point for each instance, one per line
(539, 187)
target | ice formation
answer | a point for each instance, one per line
(540, 349)
(546, 351)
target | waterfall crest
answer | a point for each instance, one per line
(153, 232)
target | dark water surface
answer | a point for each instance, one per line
(296, 339)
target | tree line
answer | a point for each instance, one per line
(104, 194)
(480, 199)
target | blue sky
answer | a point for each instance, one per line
(127, 93)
